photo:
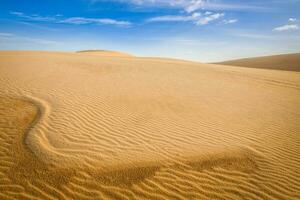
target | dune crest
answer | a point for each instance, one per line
(287, 62)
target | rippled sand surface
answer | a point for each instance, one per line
(81, 126)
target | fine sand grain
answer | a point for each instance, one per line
(288, 62)
(78, 126)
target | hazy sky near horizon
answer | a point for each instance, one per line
(202, 30)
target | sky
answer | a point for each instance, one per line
(199, 30)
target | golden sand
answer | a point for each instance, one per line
(105, 53)
(288, 62)
(77, 126)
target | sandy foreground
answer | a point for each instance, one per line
(88, 126)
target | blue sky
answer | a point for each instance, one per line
(201, 30)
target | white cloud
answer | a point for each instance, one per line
(207, 19)
(9, 37)
(83, 20)
(175, 18)
(288, 27)
(218, 5)
(33, 17)
(291, 26)
(170, 18)
(196, 18)
(189, 5)
(16, 13)
(230, 21)
(72, 20)
(194, 5)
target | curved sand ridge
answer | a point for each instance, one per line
(18, 179)
(153, 129)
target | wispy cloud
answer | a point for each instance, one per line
(34, 17)
(207, 19)
(104, 21)
(291, 26)
(292, 19)
(37, 26)
(230, 21)
(9, 37)
(194, 5)
(175, 18)
(72, 20)
(197, 18)
(188, 10)
(211, 5)
(288, 27)
(189, 5)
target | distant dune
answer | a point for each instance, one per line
(76, 126)
(288, 62)
(105, 53)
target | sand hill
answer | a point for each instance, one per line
(105, 53)
(77, 126)
(289, 62)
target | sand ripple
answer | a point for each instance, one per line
(77, 126)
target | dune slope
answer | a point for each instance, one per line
(288, 62)
(76, 126)
(105, 53)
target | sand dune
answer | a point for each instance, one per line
(288, 62)
(78, 126)
(105, 53)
